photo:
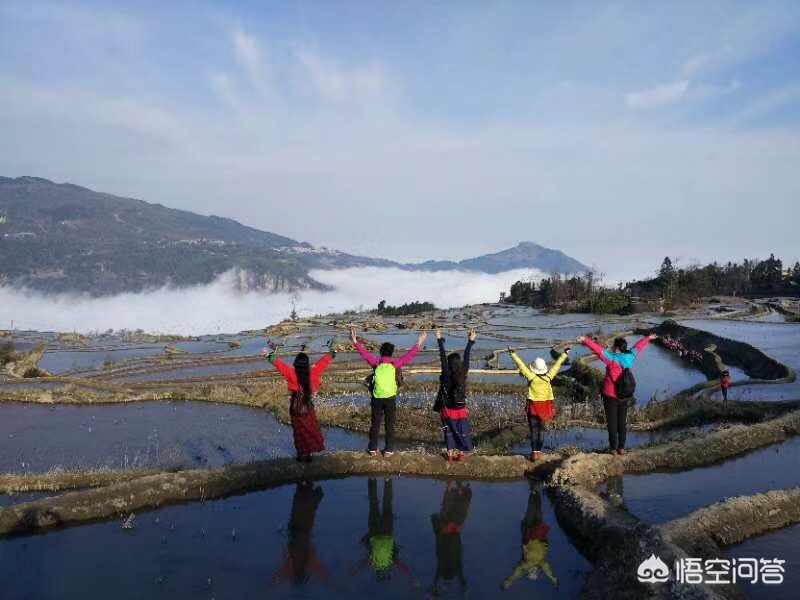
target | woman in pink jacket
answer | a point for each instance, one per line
(616, 360)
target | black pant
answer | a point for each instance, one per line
(385, 407)
(724, 394)
(536, 426)
(381, 522)
(616, 421)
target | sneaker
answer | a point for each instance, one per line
(536, 455)
(372, 452)
(461, 457)
(388, 454)
(621, 451)
(447, 456)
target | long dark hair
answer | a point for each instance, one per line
(457, 374)
(303, 372)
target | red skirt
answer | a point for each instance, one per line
(544, 409)
(307, 434)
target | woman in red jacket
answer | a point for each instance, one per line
(616, 360)
(302, 381)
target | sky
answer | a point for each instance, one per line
(618, 132)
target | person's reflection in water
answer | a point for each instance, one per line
(301, 557)
(380, 542)
(447, 527)
(534, 542)
(615, 491)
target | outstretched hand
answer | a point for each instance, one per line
(653, 336)
(472, 335)
(421, 340)
(353, 335)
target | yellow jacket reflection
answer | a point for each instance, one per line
(534, 543)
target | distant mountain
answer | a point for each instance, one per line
(525, 255)
(66, 238)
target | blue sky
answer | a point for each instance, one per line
(619, 132)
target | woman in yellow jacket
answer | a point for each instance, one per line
(540, 396)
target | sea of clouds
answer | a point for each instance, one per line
(219, 308)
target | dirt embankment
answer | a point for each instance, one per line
(152, 491)
(705, 532)
(750, 359)
(590, 470)
(54, 481)
(617, 542)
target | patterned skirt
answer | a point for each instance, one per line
(307, 434)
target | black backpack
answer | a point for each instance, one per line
(625, 385)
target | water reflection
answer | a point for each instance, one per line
(384, 553)
(301, 556)
(447, 527)
(615, 491)
(535, 544)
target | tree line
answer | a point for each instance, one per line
(671, 287)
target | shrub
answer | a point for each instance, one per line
(33, 372)
(6, 352)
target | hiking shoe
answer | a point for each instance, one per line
(388, 454)
(536, 455)
(372, 452)
(621, 451)
(447, 457)
(461, 457)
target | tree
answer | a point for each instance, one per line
(669, 279)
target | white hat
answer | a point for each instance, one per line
(539, 367)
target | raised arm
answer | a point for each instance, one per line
(594, 347)
(323, 363)
(557, 365)
(409, 356)
(442, 353)
(523, 368)
(640, 345)
(471, 336)
(519, 571)
(371, 360)
(283, 368)
(548, 571)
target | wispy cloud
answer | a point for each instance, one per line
(249, 56)
(326, 132)
(337, 84)
(659, 95)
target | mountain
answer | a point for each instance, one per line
(66, 238)
(525, 255)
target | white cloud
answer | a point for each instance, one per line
(217, 307)
(337, 84)
(696, 63)
(667, 93)
(248, 54)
